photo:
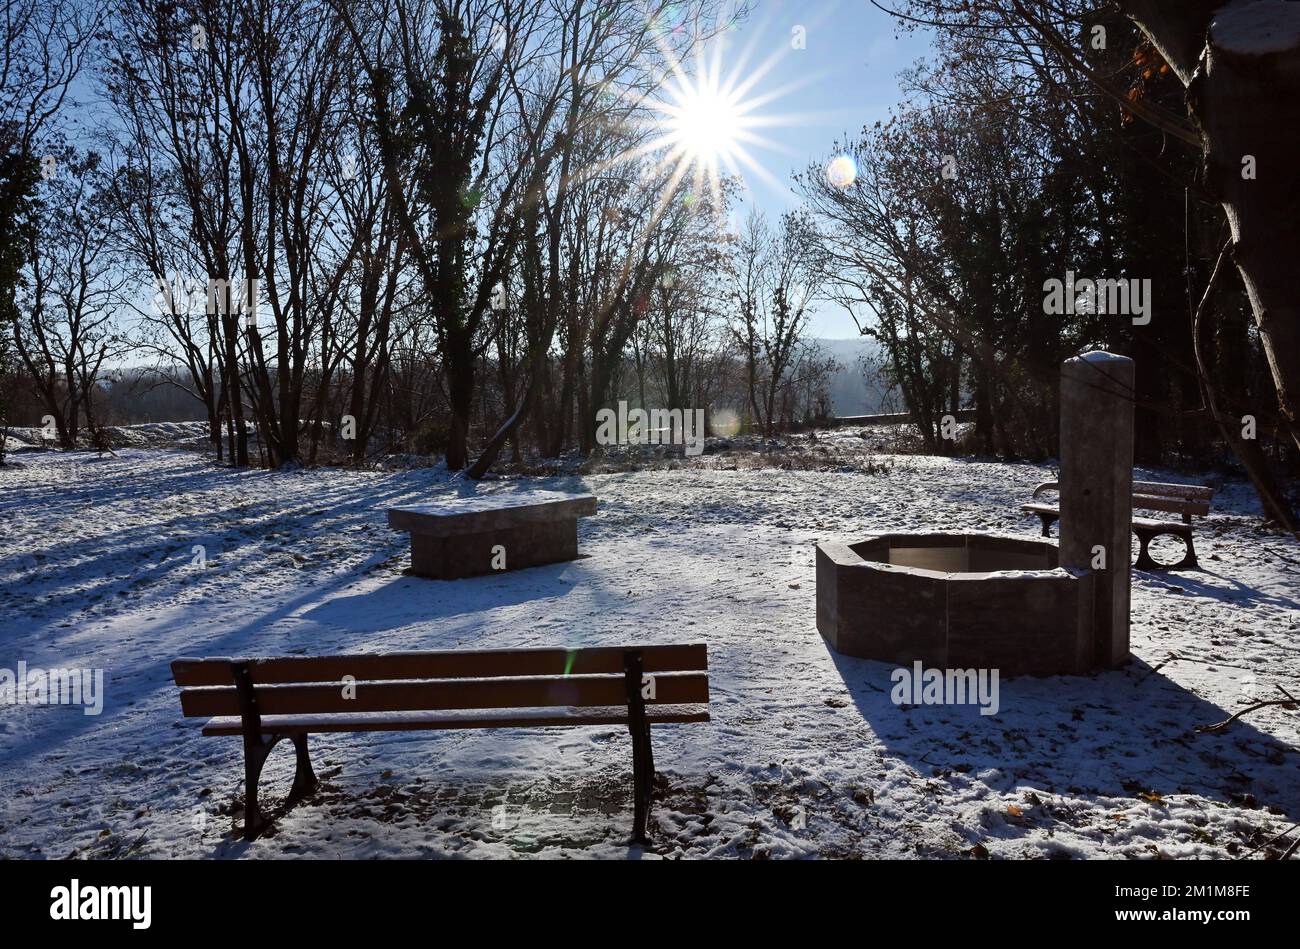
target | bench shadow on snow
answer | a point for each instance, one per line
(1229, 590)
(1109, 735)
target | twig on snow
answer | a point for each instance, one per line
(1289, 703)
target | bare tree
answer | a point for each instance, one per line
(775, 276)
(167, 73)
(65, 331)
(42, 49)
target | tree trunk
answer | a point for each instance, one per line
(460, 392)
(238, 429)
(1244, 96)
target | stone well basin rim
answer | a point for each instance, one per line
(988, 543)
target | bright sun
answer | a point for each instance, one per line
(702, 124)
(706, 124)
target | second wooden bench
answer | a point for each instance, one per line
(1184, 499)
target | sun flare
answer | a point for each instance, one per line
(702, 125)
(704, 121)
(705, 124)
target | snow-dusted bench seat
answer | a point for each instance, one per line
(468, 536)
(1184, 499)
(265, 700)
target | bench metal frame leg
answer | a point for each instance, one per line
(1146, 562)
(643, 762)
(257, 748)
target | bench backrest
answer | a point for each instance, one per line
(444, 679)
(1185, 499)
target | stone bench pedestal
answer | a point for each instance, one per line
(470, 536)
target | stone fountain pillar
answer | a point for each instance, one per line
(1096, 487)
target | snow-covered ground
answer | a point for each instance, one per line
(806, 754)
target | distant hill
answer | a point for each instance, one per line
(852, 392)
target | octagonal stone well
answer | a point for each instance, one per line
(956, 601)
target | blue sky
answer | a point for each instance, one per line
(845, 78)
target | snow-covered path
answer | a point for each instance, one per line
(805, 756)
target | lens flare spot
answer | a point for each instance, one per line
(841, 172)
(724, 423)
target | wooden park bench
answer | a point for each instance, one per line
(469, 536)
(265, 700)
(1184, 499)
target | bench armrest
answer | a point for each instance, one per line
(1047, 486)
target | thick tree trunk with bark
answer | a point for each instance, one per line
(460, 391)
(1240, 62)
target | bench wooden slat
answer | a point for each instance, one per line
(1173, 527)
(1195, 492)
(1041, 509)
(1151, 502)
(1140, 502)
(1169, 527)
(534, 692)
(444, 664)
(434, 720)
